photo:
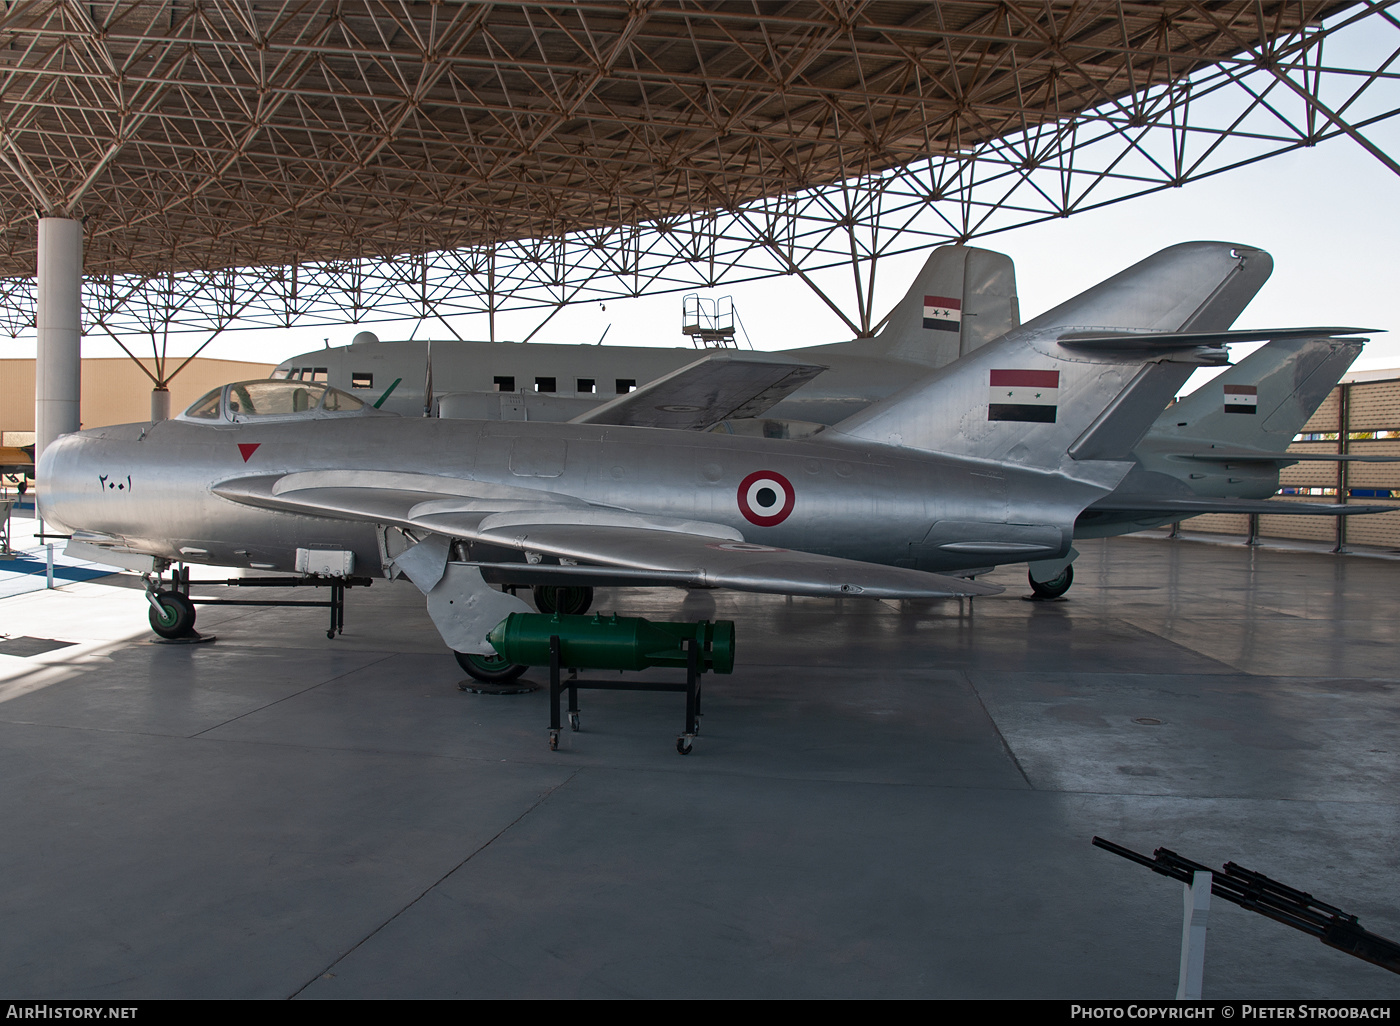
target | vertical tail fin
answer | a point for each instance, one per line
(1193, 286)
(1264, 400)
(962, 298)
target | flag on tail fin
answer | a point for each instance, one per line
(1241, 398)
(1031, 396)
(942, 313)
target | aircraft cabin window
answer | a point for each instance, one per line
(505, 383)
(319, 374)
(586, 386)
(206, 407)
(544, 384)
(625, 385)
(361, 379)
(281, 373)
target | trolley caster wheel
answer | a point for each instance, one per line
(176, 616)
(573, 721)
(330, 635)
(554, 740)
(684, 745)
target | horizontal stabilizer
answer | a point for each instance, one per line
(720, 386)
(1171, 506)
(1254, 456)
(1168, 340)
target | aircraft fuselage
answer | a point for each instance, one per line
(152, 486)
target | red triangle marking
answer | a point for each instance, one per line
(247, 449)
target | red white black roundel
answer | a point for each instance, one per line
(766, 498)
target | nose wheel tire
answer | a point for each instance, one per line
(569, 600)
(1056, 586)
(175, 618)
(489, 669)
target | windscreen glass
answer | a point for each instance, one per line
(273, 398)
(207, 406)
(340, 402)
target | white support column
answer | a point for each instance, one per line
(58, 363)
(1193, 937)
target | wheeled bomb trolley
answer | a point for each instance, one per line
(613, 642)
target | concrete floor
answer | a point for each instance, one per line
(887, 800)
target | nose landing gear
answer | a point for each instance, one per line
(172, 614)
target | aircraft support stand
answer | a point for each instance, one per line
(180, 585)
(573, 683)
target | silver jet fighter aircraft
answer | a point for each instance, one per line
(989, 461)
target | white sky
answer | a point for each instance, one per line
(1329, 215)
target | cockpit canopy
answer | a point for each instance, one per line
(245, 401)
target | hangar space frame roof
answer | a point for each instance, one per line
(241, 163)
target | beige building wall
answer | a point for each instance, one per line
(115, 391)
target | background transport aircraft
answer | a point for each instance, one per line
(960, 299)
(990, 460)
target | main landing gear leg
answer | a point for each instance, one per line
(1051, 578)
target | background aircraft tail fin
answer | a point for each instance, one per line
(962, 298)
(1264, 400)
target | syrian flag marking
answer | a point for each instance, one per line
(1028, 396)
(942, 313)
(766, 498)
(1241, 398)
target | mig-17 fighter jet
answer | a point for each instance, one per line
(990, 460)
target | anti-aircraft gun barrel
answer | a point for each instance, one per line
(1277, 901)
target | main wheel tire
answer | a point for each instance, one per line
(570, 600)
(176, 616)
(1056, 586)
(489, 669)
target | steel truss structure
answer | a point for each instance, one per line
(279, 164)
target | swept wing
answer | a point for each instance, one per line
(717, 387)
(601, 544)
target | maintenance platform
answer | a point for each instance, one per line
(886, 800)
